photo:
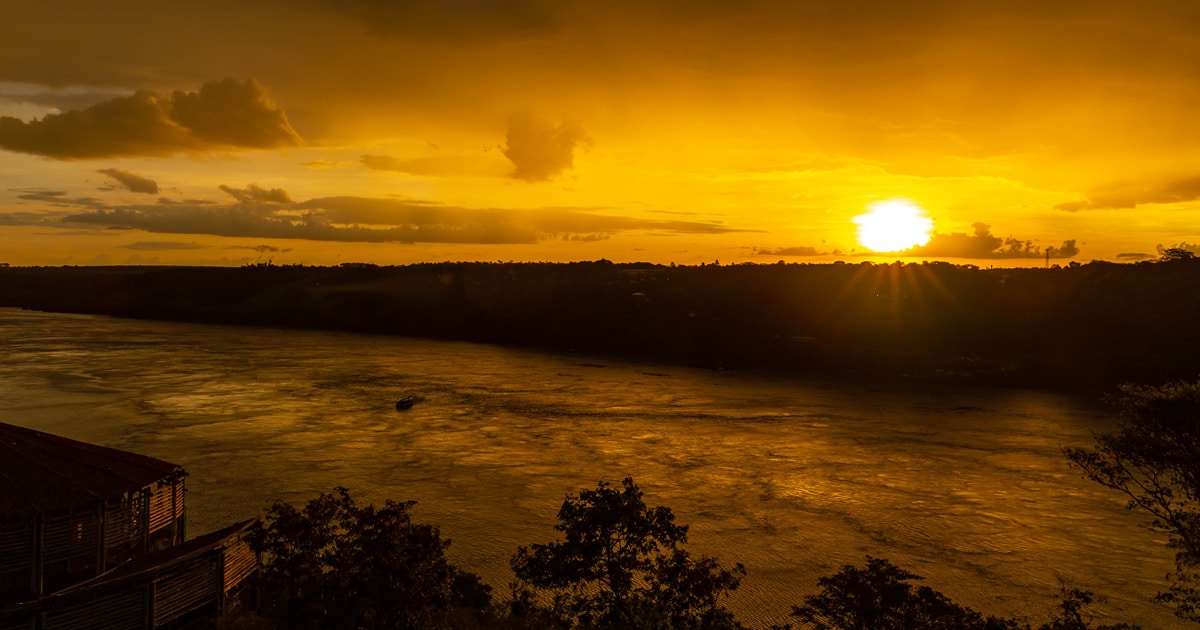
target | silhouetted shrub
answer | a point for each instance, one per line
(619, 566)
(334, 564)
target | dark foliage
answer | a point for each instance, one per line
(1072, 613)
(1088, 326)
(619, 565)
(1153, 457)
(881, 596)
(334, 564)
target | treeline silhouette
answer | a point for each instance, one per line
(618, 564)
(1089, 326)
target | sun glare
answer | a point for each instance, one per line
(893, 225)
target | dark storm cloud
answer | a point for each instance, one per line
(361, 219)
(984, 244)
(231, 114)
(1176, 191)
(132, 182)
(540, 150)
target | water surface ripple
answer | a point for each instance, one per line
(968, 488)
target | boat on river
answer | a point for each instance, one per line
(406, 403)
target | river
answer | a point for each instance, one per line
(967, 487)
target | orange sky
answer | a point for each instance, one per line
(323, 131)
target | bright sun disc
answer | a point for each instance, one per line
(893, 225)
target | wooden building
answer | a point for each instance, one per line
(98, 534)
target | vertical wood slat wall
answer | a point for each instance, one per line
(92, 539)
(149, 600)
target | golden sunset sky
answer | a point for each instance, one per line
(220, 132)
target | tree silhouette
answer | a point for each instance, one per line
(619, 565)
(1153, 457)
(333, 564)
(880, 597)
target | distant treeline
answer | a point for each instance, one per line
(1086, 326)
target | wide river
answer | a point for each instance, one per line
(967, 487)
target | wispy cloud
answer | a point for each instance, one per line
(802, 250)
(230, 114)
(262, 213)
(440, 165)
(1131, 196)
(257, 194)
(132, 182)
(262, 249)
(159, 246)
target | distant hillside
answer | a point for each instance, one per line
(1080, 327)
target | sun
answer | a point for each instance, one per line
(893, 225)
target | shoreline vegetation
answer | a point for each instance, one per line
(618, 564)
(1084, 328)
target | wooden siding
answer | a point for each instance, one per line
(122, 611)
(185, 580)
(240, 563)
(16, 546)
(186, 587)
(88, 540)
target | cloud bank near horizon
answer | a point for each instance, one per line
(982, 244)
(270, 213)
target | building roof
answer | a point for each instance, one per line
(41, 472)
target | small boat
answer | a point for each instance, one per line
(405, 403)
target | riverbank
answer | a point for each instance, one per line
(1083, 329)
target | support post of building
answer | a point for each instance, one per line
(101, 535)
(35, 565)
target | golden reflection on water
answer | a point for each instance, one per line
(968, 488)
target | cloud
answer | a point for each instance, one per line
(1124, 197)
(257, 194)
(25, 218)
(326, 164)
(135, 183)
(983, 244)
(439, 165)
(57, 198)
(74, 97)
(158, 246)
(231, 114)
(539, 150)
(1131, 256)
(791, 251)
(364, 219)
(262, 249)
